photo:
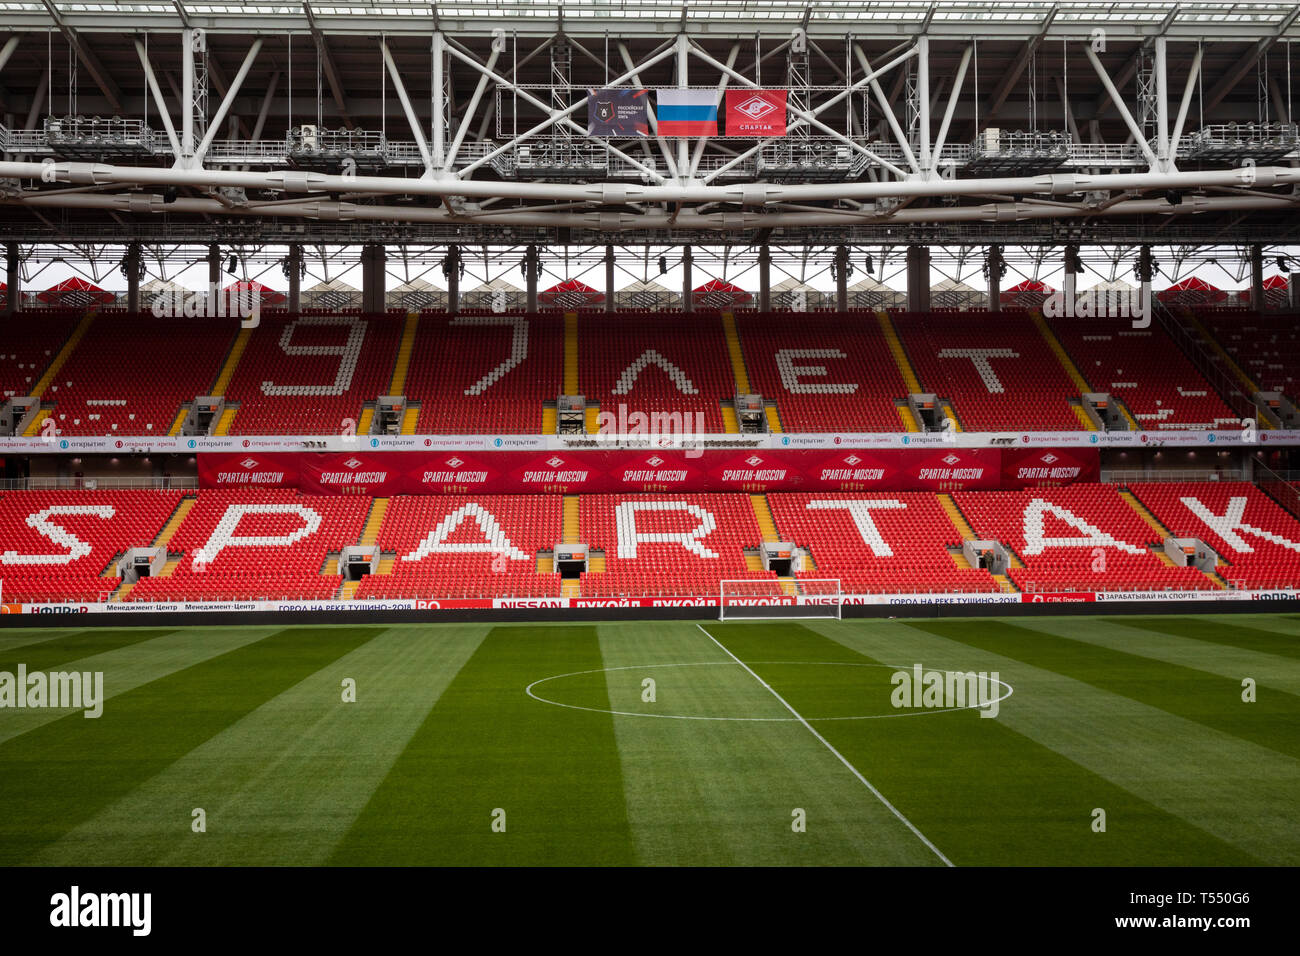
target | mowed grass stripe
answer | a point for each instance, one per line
(1273, 721)
(1225, 660)
(487, 746)
(983, 793)
(283, 784)
(65, 772)
(1230, 633)
(51, 655)
(11, 638)
(723, 793)
(1233, 790)
(135, 665)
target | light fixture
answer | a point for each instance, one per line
(1174, 197)
(869, 264)
(231, 266)
(663, 265)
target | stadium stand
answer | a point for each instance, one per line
(32, 342)
(656, 363)
(258, 544)
(826, 372)
(130, 373)
(668, 545)
(1083, 537)
(995, 368)
(59, 544)
(1145, 370)
(897, 543)
(304, 375)
(485, 374)
(1258, 540)
(460, 547)
(1265, 347)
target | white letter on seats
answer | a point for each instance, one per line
(348, 354)
(518, 347)
(1227, 524)
(790, 372)
(77, 549)
(1035, 543)
(223, 535)
(494, 539)
(982, 364)
(629, 537)
(643, 361)
(860, 511)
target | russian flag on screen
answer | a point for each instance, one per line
(688, 112)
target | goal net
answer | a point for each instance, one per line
(759, 600)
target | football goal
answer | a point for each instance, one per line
(757, 600)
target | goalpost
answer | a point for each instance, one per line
(759, 600)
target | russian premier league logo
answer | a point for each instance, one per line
(605, 111)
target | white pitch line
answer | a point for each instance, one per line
(844, 760)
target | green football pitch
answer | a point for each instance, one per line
(1116, 741)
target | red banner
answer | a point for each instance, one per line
(756, 112)
(603, 471)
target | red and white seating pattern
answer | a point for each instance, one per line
(31, 342)
(825, 372)
(467, 547)
(1081, 538)
(668, 545)
(131, 373)
(485, 374)
(56, 544)
(995, 368)
(877, 543)
(660, 363)
(307, 375)
(1146, 370)
(1265, 347)
(258, 544)
(1257, 537)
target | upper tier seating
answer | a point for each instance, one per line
(32, 341)
(667, 545)
(258, 544)
(893, 543)
(131, 373)
(1265, 347)
(448, 546)
(996, 368)
(1080, 538)
(485, 374)
(1144, 369)
(657, 363)
(1257, 537)
(57, 544)
(306, 375)
(826, 372)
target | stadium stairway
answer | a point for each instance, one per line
(899, 353)
(374, 521)
(404, 350)
(183, 508)
(570, 353)
(763, 515)
(223, 381)
(571, 527)
(738, 371)
(52, 370)
(958, 519)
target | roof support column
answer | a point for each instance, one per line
(1257, 301)
(609, 278)
(214, 267)
(293, 266)
(688, 304)
(532, 269)
(764, 278)
(13, 278)
(451, 271)
(842, 278)
(918, 279)
(133, 266)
